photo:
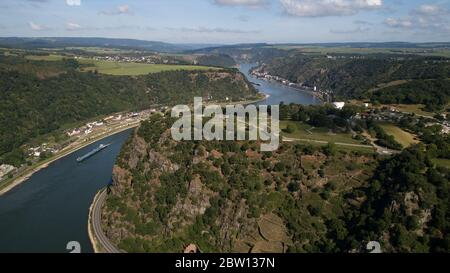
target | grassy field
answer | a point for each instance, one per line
(388, 84)
(133, 69)
(401, 136)
(50, 57)
(413, 108)
(118, 68)
(304, 131)
(442, 162)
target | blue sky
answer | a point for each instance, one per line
(230, 21)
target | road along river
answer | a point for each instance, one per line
(50, 209)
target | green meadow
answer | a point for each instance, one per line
(133, 69)
(120, 68)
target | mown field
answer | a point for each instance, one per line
(119, 68)
(51, 57)
(442, 162)
(414, 108)
(133, 69)
(304, 131)
(401, 136)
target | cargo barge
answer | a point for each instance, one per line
(93, 152)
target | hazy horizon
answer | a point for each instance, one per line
(226, 44)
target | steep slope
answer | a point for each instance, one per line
(39, 97)
(229, 197)
(226, 196)
(375, 77)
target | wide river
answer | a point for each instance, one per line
(51, 209)
(278, 92)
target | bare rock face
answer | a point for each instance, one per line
(139, 149)
(122, 179)
(161, 162)
(195, 203)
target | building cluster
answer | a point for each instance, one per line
(352, 57)
(116, 119)
(385, 114)
(43, 148)
(393, 115)
(444, 124)
(151, 59)
(5, 169)
(88, 129)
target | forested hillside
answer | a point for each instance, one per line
(219, 60)
(246, 52)
(421, 80)
(37, 98)
(229, 197)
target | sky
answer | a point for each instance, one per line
(230, 21)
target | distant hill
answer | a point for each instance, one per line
(157, 46)
(216, 60)
(57, 42)
(328, 45)
(375, 45)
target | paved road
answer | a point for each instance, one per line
(380, 150)
(96, 219)
(287, 139)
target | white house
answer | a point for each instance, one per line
(339, 105)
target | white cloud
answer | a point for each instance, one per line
(124, 9)
(73, 2)
(399, 22)
(350, 31)
(213, 30)
(431, 10)
(37, 27)
(72, 26)
(321, 8)
(425, 17)
(248, 3)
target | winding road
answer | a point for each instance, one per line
(96, 224)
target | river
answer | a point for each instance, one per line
(278, 92)
(51, 209)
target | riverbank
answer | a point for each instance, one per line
(262, 97)
(24, 175)
(94, 242)
(10, 184)
(277, 91)
(100, 242)
(317, 95)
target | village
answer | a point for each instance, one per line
(147, 59)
